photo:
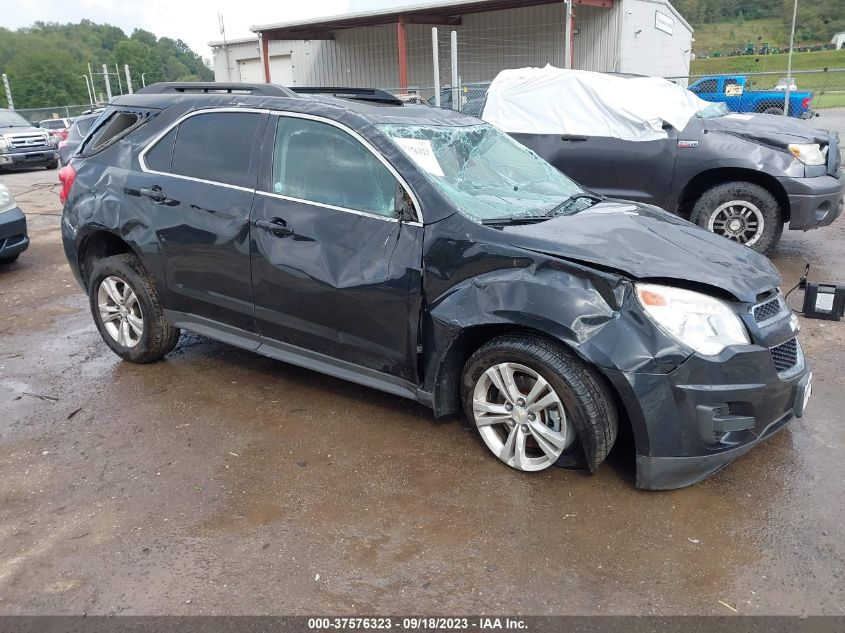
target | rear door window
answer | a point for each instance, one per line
(216, 146)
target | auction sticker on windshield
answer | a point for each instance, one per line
(420, 151)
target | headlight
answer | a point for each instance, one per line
(809, 154)
(699, 321)
(53, 140)
(7, 200)
(4, 144)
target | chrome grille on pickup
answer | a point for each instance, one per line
(27, 141)
(786, 356)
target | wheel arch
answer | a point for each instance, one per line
(703, 181)
(446, 395)
(99, 244)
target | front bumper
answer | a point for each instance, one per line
(815, 201)
(29, 158)
(13, 237)
(697, 419)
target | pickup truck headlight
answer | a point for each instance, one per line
(7, 200)
(809, 154)
(4, 144)
(699, 321)
(53, 140)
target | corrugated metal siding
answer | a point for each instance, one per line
(487, 43)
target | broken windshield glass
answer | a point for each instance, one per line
(483, 171)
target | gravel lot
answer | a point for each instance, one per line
(221, 482)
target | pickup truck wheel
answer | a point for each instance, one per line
(743, 212)
(127, 310)
(773, 110)
(535, 404)
(10, 259)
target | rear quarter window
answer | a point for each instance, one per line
(111, 128)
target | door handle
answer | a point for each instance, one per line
(276, 226)
(573, 138)
(154, 193)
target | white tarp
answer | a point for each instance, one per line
(556, 101)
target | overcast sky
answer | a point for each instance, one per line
(194, 21)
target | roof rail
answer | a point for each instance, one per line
(359, 94)
(212, 87)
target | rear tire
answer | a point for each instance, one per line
(774, 110)
(742, 212)
(576, 430)
(127, 311)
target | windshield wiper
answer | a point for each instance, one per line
(563, 206)
(514, 219)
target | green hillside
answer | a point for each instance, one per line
(45, 62)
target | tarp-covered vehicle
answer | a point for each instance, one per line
(742, 176)
(425, 253)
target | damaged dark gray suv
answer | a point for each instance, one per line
(424, 253)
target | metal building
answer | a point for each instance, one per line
(392, 49)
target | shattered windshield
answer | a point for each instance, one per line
(486, 173)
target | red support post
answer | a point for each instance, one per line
(402, 49)
(265, 54)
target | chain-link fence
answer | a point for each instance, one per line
(827, 88)
(57, 112)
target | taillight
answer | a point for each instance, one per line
(67, 175)
(806, 102)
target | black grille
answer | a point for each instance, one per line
(767, 310)
(785, 356)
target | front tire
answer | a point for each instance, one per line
(9, 260)
(535, 404)
(743, 212)
(127, 311)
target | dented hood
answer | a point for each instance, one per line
(645, 242)
(769, 129)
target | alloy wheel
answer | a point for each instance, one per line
(120, 311)
(520, 417)
(738, 220)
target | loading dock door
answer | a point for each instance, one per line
(281, 70)
(251, 71)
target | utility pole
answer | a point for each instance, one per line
(128, 79)
(225, 47)
(108, 83)
(143, 83)
(8, 92)
(117, 72)
(789, 61)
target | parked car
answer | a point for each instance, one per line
(735, 92)
(423, 252)
(471, 100)
(58, 127)
(22, 145)
(78, 129)
(742, 176)
(13, 237)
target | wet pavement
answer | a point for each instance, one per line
(221, 482)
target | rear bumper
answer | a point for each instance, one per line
(13, 237)
(697, 419)
(32, 158)
(814, 202)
